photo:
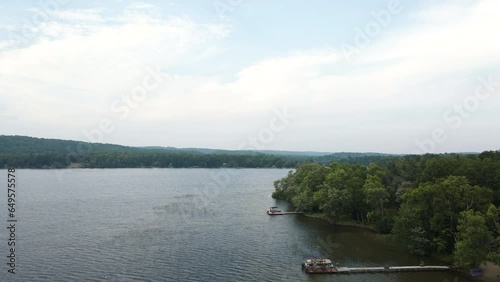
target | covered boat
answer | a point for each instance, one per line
(274, 211)
(319, 266)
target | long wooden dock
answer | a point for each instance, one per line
(283, 213)
(352, 270)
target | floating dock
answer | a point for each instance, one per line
(276, 211)
(326, 266)
(283, 213)
(352, 270)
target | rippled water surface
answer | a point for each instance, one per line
(178, 225)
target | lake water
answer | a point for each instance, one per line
(177, 225)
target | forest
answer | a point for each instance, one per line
(431, 204)
(164, 159)
(30, 152)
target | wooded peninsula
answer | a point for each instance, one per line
(432, 204)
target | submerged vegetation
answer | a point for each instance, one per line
(433, 204)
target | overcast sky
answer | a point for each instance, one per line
(381, 76)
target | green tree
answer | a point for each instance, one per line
(304, 201)
(332, 201)
(285, 188)
(376, 194)
(410, 231)
(493, 222)
(474, 240)
(439, 205)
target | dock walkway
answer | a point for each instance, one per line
(349, 270)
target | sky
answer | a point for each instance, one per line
(333, 76)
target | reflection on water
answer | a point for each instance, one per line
(166, 225)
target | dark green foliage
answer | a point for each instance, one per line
(493, 223)
(473, 240)
(411, 230)
(431, 203)
(144, 159)
(30, 145)
(353, 158)
(436, 208)
(29, 152)
(339, 189)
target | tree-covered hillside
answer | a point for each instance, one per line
(29, 145)
(29, 152)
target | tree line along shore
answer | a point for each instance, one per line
(30, 152)
(442, 205)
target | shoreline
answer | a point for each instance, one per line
(342, 223)
(490, 269)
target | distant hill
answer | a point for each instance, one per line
(29, 145)
(24, 151)
(241, 152)
(353, 158)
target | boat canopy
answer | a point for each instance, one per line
(319, 260)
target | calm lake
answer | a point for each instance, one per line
(177, 225)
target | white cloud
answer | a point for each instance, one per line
(396, 89)
(81, 15)
(414, 82)
(445, 12)
(258, 89)
(140, 6)
(75, 70)
(7, 27)
(7, 44)
(467, 42)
